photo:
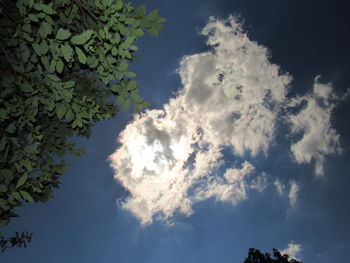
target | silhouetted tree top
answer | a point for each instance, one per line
(255, 256)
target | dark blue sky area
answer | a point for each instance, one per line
(83, 222)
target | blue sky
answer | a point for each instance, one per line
(198, 222)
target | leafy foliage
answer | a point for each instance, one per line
(255, 256)
(61, 62)
(19, 240)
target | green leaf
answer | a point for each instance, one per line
(130, 74)
(130, 21)
(111, 60)
(133, 48)
(33, 18)
(153, 16)
(115, 39)
(138, 32)
(3, 188)
(161, 20)
(16, 195)
(75, 124)
(84, 115)
(69, 115)
(119, 4)
(67, 52)
(30, 3)
(81, 55)
(92, 62)
(37, 49)
(30, 149)
(126, 44)
(26, 53)
(37, 7)
(28, 37)
(36, 189)
(27, 164)
(26, 196)
(4, 204)
(46, 63)
(107, 3)
(7, 174)
(75, 107)
(69, 84)
(27, 28)
(141, 10)
(102, 33)
(82, 38)
(26, 87)
(136, 98)
(137, 108)
(132, 85)
(114, 51)
(123, 66)
(68, 94)
(44, 47)
(53, 77)
(53, 65)
(117, 88)
(126, 105)
(59, 66)
(22, 180)
(3, 114)
(63, 34)
(61, 110)
(11, 128)
(45, 29)
(47, 9)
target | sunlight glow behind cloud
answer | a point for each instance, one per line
(231, 97)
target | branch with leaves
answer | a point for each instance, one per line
(62, 61)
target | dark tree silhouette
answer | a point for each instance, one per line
(19, 240)
(255, 256)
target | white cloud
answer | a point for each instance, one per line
(233, 91)
(260, 182)
(292, 250)
(231, 96)
(279, 186)
(314, 121)
(232, 188)
(293, 193)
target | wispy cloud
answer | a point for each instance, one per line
(279, 187)
(231, 96)
(293, 193)
(292, 250)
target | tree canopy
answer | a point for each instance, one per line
(61, 63)
(255, 256)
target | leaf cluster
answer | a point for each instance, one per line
(62, 61)
(19, 240)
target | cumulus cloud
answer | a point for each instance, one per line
(293, 250)
(314, 121)
(231, 97)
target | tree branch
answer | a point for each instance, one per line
(82, 5)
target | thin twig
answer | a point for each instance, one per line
(7, 57)
(83, 14)
(87, 9)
